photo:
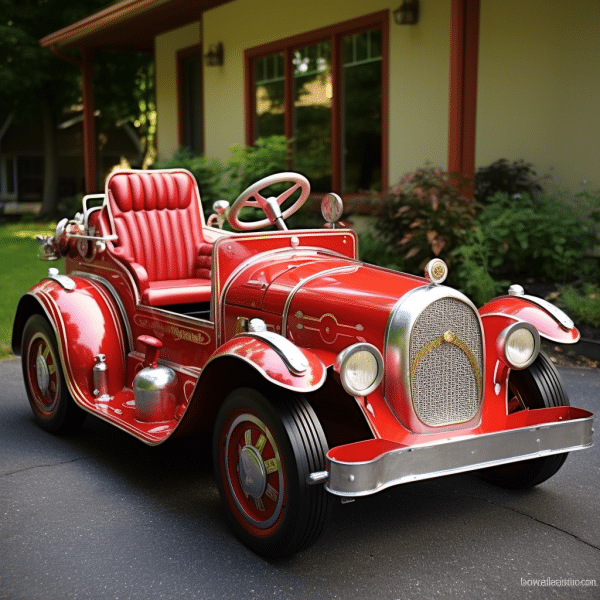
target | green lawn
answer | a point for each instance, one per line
(20, 268)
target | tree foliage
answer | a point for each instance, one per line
(37, 86)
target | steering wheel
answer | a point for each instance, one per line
(270, 206)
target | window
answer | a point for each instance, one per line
(189, 76)
(327, 92)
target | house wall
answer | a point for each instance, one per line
(419, 73)
(539, 68)
(165, 51)
(539, 72)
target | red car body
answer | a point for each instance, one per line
(164, 327)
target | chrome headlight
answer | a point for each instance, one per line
(360, 367)
(518, 345)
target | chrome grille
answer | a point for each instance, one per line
(446, 363)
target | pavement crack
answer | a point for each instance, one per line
(519, 512)
(53, 464)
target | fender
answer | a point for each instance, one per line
(551, 322)
(86, 322)
(277, 360)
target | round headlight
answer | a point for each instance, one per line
(361, 368)
(518, 345)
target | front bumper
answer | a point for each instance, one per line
(367, 467)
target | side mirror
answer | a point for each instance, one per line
(332, 208)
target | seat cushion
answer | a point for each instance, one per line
(176, 291)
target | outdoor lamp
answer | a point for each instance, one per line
(214, 56)
(407, 13)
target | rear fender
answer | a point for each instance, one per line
(551, 322)
(86, 322)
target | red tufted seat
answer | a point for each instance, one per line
(158, 220)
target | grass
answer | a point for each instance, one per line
(20, 268)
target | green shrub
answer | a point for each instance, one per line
(471, 272)
(581, 305)
(374, 251)
(247, 165)
(510, 178)
(426, 216)
(540, 238)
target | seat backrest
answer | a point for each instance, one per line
(158, 219)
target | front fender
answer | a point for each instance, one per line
(86, 323)
(551, 322)
(267, 361)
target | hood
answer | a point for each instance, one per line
(324, 302)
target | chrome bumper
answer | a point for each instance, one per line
(370, 466)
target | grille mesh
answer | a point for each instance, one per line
(444, 385)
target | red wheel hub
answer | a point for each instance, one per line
(255, 474)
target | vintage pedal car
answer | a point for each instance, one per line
(316, 375)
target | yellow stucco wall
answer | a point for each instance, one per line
(539, 70)
(418, 72)
(539, 82)
(166, 47)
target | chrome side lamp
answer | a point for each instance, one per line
(214, 56)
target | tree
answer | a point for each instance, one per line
(36, 85)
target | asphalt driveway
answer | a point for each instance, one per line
(102, 516)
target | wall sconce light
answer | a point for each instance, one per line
(407, 13)
(214, 56)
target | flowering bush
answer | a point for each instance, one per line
(427, 215)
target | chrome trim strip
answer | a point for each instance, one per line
(307, 251)
(554, 311)
(291, 355)
(184, 370)
(447, 457)
(546, 337)
(302, 282)
(259, 369)
(63, 280)
(161, 312)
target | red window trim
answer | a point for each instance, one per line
(181, 55)
(334, 34)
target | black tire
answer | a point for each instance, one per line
(276, 445)
(53, 407)
(539, 386)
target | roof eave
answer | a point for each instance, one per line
(76, 32)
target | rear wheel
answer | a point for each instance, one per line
(263, 453)
(53, 407)
(539, 386)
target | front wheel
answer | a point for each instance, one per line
(53, 407)
(538, 386)
(263, 453)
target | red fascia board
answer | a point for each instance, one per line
(103, 18)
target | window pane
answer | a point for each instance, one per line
(361, 116)
(312, 113)
(269, 89)
(192, 102)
